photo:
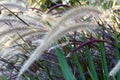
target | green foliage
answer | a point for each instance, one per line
(67, 73)
(3, 78)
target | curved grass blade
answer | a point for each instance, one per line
(90, 61)
(67, 73)
(117, 53)
(80, 69)
(79, 66)
(104, 62)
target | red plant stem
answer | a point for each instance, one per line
(84, 44)
(56, 6)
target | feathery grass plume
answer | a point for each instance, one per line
(12, 36)
(49, 18)
(19, 29)
(81, 11)
(36, 27)
(115, 69)
(59, 30)
(32, 22)
(25, 35)
(45, 44)
(13, 6)
(12, 52)
(27, 32)
(4, 40)
(21, 17)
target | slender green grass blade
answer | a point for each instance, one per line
(80, 69)
(92, 77)
(67, 73)
(104, 62)
(90, 61)
(79, 66)
(91, 64)
(117, 52)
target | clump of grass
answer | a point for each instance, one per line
(86, 52)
